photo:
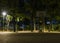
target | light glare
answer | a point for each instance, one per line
(3, 13)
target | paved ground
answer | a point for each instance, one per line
(29, 37)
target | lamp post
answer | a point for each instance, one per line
(4, 14)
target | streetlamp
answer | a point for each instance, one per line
(4, 14)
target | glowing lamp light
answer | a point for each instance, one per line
(4, 13)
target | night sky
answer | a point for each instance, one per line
(28, 5)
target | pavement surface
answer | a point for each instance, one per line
(29, 37)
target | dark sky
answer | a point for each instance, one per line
(19, 5)
(15, 4)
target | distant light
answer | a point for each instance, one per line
(48, 22)
(4, 13)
